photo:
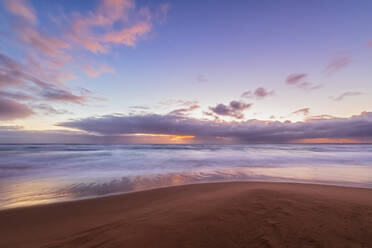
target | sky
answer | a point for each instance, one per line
(230, 72)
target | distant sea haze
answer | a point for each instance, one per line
(37, 174)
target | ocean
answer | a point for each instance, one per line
(39, 174)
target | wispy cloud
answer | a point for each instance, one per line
(337, 64)
(18, 83)
(135, 25)
(347, 94)
(129, 36)
(22, 9)
(184, 111)
(179, 102)
(294, 79)
(16, 95)
(49, 110)
(298, 80)
(139, 107)
(304, 111)
(258, 93)
(201, 78)
(17, 76)
(96, 72)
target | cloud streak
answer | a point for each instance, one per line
(298, 80)
(258, 93)
(22, 9)
(96, 72)
(337, 64)
(347, 94)
(304, 111)
(184, 111)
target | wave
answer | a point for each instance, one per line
(54, 172)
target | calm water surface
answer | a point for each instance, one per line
(36, 174)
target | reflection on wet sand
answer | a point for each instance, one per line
(30, 193)
(48, 191)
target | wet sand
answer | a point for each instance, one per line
(202, 215)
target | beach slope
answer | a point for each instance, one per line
(202, 215)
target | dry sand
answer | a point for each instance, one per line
(202, 215)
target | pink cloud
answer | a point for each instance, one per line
(133, 25)
(25, 27)
(105, 15)
(337, 64)
(45, 44)
(129, 36)
(22, 9)
(95, 72)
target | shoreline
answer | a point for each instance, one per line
(284, 181)
(184, 211)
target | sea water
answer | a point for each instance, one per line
(37, 174)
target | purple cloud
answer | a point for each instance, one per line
(53, 94)
(234, 109)
(259, 93)
(347, 94)
(298, 80)
(337, 64)
(10, 110)
(19, 96)
(294, 79)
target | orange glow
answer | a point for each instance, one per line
(334, 140)
(170, 137)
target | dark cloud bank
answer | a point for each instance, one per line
(113, 128)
